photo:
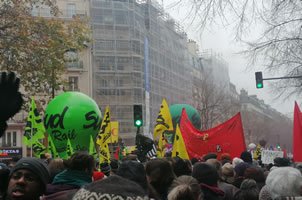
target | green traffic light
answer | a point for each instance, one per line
(138, 122)
(259, 85)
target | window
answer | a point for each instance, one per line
(9, 139)
(4, 140)
(35, 11)
(73, 83)
(14, 138)
(71, 10)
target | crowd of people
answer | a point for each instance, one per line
(207, 178)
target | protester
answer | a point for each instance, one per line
(114, 166)
(248, 190)
(78, 173)
(227, 173)
(209, 156)
(105, 168)
(113, 187)
(284, 181)
(180, 167)
(55, 166)
(226, 158)
(160, 175)
(228, 189)
(239, 173)
(236, 161)
(185, 187)
(255, 174)
(27, 180)
(247, 157)
(207, 177)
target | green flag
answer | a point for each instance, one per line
(92, 150)
(69, 149)
(38, 149)
(34, 129)
(51, 148)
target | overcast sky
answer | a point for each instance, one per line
(221, 40)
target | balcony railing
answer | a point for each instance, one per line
(74, 65)
(66, 14)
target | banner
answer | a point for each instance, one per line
(38, 149)
(179, 148)
(92, 150)
(268, 156)
(34, 129)
(227, 137)
(104, 137)
(297, 136)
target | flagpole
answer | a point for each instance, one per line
(31, 142)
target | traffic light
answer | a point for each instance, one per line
(259, 80)
(138, 115)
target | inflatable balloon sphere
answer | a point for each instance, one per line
(176, 111)
(74, 116)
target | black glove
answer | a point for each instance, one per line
(10, 98)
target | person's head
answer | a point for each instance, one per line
(185, 187)
(227, 173)
(113, 187)
(4, 173)
(180, 167)
(80, 161)
(240, 169)
(255, 174)
(246, 157)
(194, 160)
(284, 181)
(159, 171)
(281, 162)
(226, 156)
(248, 191)
(205, 173)
(236, 161)
(133, 171)
(55, 166)
(105, 168)
(114, 166)
(28, 179)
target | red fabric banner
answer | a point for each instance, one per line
(227, 137)
(297, 138)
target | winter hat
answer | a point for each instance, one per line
(98, 175)
(226, 156)
(240, 168)
(134, 171)
(113, 187)
(227, 173)
(209, 156)
(205, 173)
(36, 166)
(246, 157)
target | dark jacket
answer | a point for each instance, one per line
(228, 189)
(60, 192)
(211, 192)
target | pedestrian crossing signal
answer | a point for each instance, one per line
(138, 115)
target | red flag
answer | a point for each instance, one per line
(297, 138)
(227, 137)
(116, 155)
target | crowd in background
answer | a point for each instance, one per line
(81, 178)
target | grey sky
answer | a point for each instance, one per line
(221, 40)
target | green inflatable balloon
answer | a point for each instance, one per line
(192, 113)
(74, 116)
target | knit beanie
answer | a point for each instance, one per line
(209, 156)
(113, 187)
(227, 173)
(36, 166)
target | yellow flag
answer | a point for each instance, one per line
(104, 137)
(163, 121)
(105, 132)
(257, 153)
(179, 148)
(161, 147)
(114, 132)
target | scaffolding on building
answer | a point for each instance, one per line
(138, 51)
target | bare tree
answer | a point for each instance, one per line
(214, 104)
(279, 45)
